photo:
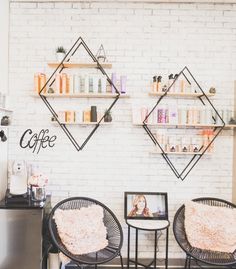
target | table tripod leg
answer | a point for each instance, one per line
(167, 247)
(155, 251)
(136, 249)
(128, 248)
(121, 262)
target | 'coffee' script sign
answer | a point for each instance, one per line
(37, 141)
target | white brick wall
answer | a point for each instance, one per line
(140, 40)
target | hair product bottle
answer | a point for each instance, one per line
(63, 83)
(76, 89)
(103, 84)
(123, 80)
(36, 83)
(58, 83)
(175, 85)
(93, 114)
(159, 88)
(90, 84)
(86, 84)
(95, 83)
(154, 84)
(170, 81)
(113, 79)
(43, 80)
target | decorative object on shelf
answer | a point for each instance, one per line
(108, 117)
(60, 67)
(232, 121)
(101, 54)
(60, 53)
(3, 136)
(5, 121)
(50, 90)
(212, 90)
(182, 83)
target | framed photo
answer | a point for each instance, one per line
(146, 205)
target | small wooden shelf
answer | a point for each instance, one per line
(80, 65)
(183, 95)
(4, 126)
(83, 95)
(179, 125)
(178, 152)
(5, 109)
(230, 126)
(82, 123)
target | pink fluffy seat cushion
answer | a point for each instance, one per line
(82, 230)
(210, 227)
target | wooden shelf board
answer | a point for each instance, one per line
(80, 65)
(83, 95)
(83, 123)
(179, 125)
(178, 153)
(5, 109)
(230, 126)
(183, 95)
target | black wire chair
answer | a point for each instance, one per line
(214, 258)
(114, 234)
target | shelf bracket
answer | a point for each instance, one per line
(195, 159)
(61, 66)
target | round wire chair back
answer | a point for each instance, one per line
(114, 232)
(206, 256)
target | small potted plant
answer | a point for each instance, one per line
(108, 117)
(60, 52)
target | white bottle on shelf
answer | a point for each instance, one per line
(76, 89)
(86, 84)
(103, 84)
(95, 83)
(71, 84)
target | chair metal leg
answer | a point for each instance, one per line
(121, 262)
(187, 262)
(95, 266)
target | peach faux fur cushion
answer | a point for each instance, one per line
(210, 227)
(82, 230)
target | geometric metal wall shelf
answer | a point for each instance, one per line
(217, 127)
(63, 64)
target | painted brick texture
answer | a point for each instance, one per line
(140, 40)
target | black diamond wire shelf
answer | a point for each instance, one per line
(197, 156)
(51, 80)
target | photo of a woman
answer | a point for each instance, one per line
(140, 208)
(146, 205)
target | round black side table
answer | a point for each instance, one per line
(147, 225)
